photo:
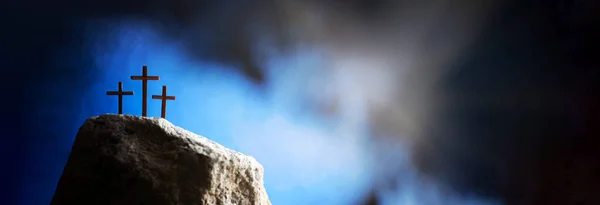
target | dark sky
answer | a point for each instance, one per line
(530, 87)
(529, 84)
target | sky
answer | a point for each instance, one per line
(221, 105)
(342, 103)
(308, 159)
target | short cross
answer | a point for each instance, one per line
(144, 78)
(163, 98)
(120, 93)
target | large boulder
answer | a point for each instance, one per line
(130, 160)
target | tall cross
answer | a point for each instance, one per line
(144, 78)
(120, 93)
(163, 98)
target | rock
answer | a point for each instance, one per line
(130, 160)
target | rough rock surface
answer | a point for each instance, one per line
(129, 160)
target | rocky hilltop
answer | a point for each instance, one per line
(130, 160)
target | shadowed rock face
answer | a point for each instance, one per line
(121, 159)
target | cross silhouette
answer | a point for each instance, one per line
(163, 98)
(120, 93)
(144, 78)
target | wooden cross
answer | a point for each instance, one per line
(163, 98)
(120, 93)
(144, 78)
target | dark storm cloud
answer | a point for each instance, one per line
(510, 108)
(514, 108)
(219, 31)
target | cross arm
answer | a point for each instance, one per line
(119, 93)
(145, 77)
(161, 97)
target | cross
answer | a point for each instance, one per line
(163, 98)
(144, 78)
(120, 93)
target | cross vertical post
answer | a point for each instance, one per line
(163, 98)
(120, 93)
(144, 78)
